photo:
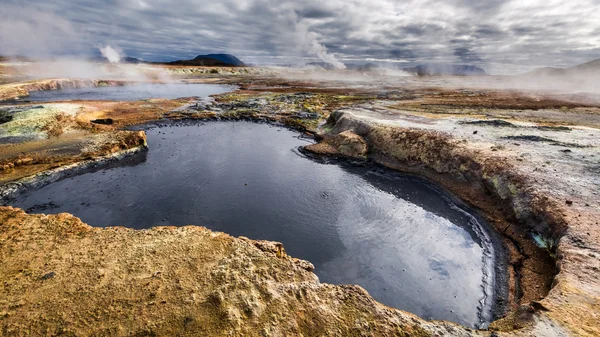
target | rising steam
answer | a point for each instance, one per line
(314, 47)
(304, 41)
(111, 54)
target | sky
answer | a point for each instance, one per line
(500, 36)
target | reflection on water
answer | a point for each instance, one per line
(397, 236)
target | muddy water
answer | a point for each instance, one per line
(405, 241)
(129, 93)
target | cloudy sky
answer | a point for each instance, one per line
(500, 35)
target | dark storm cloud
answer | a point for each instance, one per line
(401, 54)
(490, 33)
(420, 29)
(315, 13)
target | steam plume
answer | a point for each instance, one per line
(296, 30)
(314, 47)
(111, 54)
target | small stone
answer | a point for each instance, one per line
(475, 132)
(569, 202)
(48, 275)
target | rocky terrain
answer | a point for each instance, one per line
(528, 161)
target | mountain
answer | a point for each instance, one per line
(591, 68)
(588, 66)
(131, 60)
(547, 71)
(225, 58)
(102, 59)
(211, 60)
(433, 69)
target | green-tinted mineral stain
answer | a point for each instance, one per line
(239, 113)
(546, 243)
(497, 185)
(514, 189)
(287, 104)
(302, 124)
(326, 128)
(31, 122)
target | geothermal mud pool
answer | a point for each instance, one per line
(129, 93)
(408, 243)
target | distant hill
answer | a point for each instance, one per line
(211, 60)
(131, 60)
(591, 68)
(102, 59)
(445, 70)
(588, 66)
(547, 71)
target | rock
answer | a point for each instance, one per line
(346, 143)
(5, 117)
(539, 306)
(104, 121)
(304, 264)
(307, 115)
(48, 276)
(270, 247)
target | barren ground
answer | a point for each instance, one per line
(527, 160)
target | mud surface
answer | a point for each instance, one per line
(354, 223)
